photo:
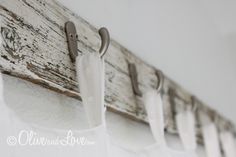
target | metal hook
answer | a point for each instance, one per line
(160, 77)
(194, 103)
(105, 37)
(71, 36)
(172, 94)
(134, 79)
(72, 39)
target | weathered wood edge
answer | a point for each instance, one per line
(35, 49)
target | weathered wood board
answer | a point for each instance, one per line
(34, 48)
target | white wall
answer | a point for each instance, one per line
(193, 42)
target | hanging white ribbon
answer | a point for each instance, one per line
(211, 140)
(186, 127)
(154, 107)
(90, 72)
(228, 144)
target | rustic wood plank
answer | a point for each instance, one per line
(34, 47)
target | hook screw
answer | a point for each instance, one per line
(72, 39)
(160, 77)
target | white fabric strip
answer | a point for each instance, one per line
(90, 73)
(186, 128)
(87, 142)
(211, 140)
(154, 107)
(228, 144)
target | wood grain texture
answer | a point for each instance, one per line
(34, 48)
